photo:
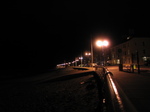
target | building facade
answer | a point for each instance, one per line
(134, 51)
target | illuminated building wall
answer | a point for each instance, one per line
(127, 52)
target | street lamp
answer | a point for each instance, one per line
(76, 61)
(88, 54)
(102, 44)
(73, 63)
(81, 59)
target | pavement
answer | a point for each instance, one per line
(135, 86)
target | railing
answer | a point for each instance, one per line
(114, 99)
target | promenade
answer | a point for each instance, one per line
(61, 90)
(135, 86)
(70, 89)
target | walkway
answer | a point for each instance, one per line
(135, 86)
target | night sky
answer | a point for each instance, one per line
(42, 34)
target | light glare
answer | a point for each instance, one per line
(102, 43)
(99, 43)
(105, 43)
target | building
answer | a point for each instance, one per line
(135, 50)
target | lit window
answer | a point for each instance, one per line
(118, 61)
(145, 58)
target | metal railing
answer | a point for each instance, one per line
(114, 99)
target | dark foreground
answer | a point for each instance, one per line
(50, 92)
(75, 90)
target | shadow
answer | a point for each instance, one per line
(80, 68)
(68, 77)
(91, 83)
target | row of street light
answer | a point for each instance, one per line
(99, 43)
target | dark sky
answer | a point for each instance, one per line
(44, 33)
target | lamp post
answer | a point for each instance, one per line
(81, 60)
(91, 51)
(138, 62)
(102, 44)
(73, 63)
(76, 62)
(88, 54)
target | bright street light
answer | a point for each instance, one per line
(102, 43)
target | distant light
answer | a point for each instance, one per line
(80, 57)
(87, 53)
(128, 38)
